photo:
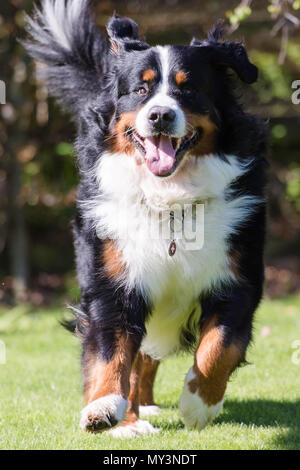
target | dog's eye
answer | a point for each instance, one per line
(187, 91)
(142, 90)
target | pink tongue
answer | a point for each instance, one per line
(160, 154)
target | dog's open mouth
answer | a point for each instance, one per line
(163, 153)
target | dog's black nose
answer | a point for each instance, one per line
(161, 116)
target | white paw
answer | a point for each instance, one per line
(149, 410)
(136, 429)
(196, 414)
(103, 413)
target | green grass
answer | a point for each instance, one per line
(40, 392)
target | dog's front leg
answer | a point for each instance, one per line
(216, 357)
(107, 384)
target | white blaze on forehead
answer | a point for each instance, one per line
(162, 98)
(165, 68)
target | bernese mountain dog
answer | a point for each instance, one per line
(160, 134)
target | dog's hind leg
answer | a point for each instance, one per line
(133, 426)
(147, 405)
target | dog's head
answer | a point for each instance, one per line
(160, 104)
(169, 97)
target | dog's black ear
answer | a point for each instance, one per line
(234, 55)
(124, 35)
(230, 54)
(119, 28)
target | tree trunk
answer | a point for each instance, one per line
(18, 236)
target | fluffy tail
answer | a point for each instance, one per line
(64, 37)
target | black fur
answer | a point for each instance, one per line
(98, 84)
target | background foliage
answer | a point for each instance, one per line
(37, 166)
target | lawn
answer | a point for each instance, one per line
(40, 395)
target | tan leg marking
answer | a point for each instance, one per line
(107, 387)
(132, 426)
(103, 378)
(205, 383)
(132, 414)
(213, 364)
(150, 367)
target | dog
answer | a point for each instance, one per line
(157, 127)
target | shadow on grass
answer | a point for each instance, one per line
(258, 413)
(267, 413)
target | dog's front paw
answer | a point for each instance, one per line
(103, 413)
(136, 429)
(195, 412)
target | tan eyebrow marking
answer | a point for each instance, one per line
(148, 75)
(180, 77)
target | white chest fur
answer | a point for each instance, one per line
(172, 284)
